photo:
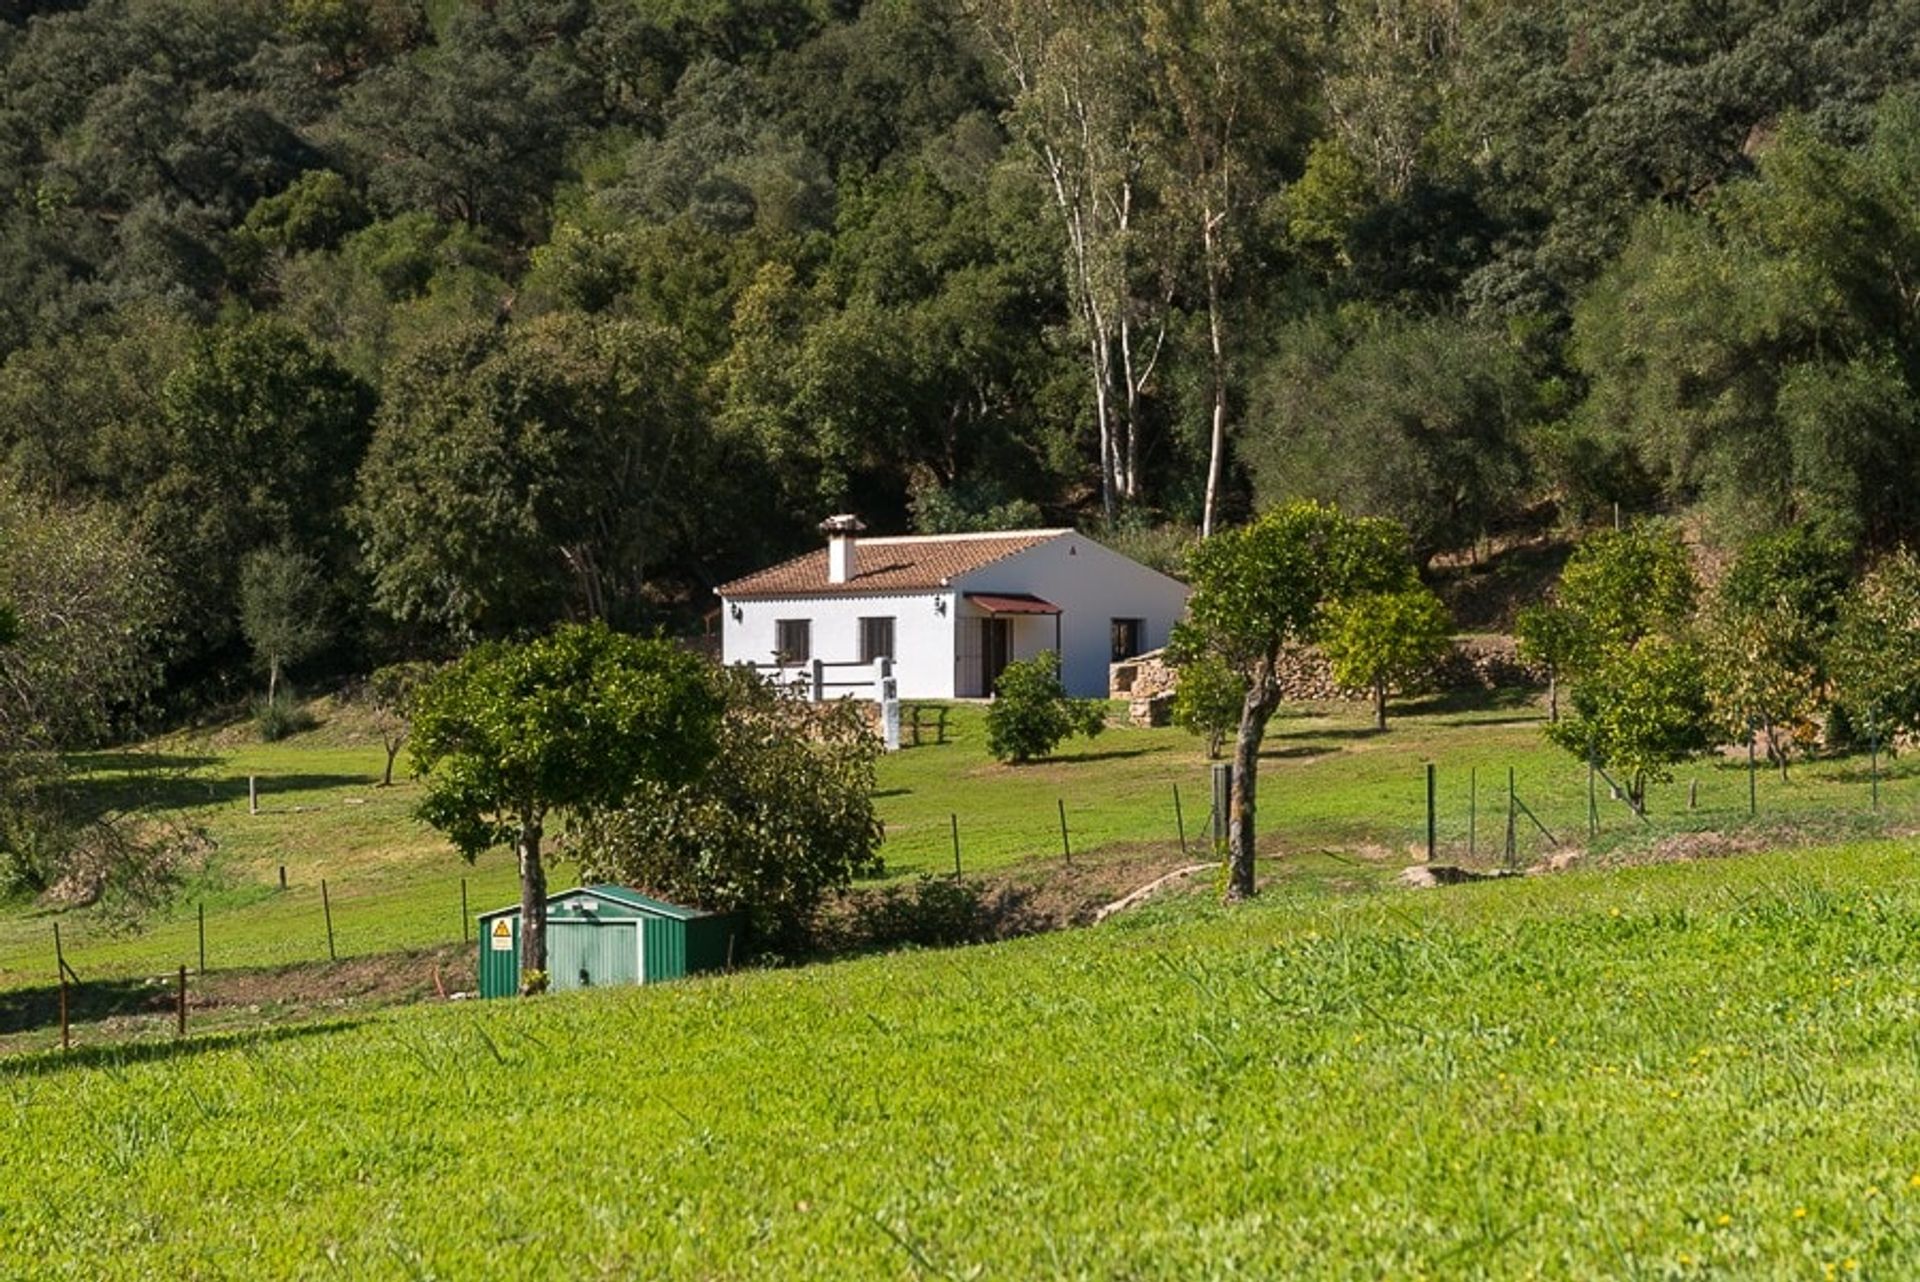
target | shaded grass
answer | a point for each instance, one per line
(1677, 1071)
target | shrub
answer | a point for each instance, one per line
(783, 817)
(1208, 700)
(1031, 713)
(280, 715)
(933, 912)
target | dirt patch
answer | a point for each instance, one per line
(126, 1010)
(1027, 900)
(1428, 876)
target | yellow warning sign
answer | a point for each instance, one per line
(502, 936)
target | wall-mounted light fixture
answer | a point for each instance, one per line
(733, 608)
(939, 605)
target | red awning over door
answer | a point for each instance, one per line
(1012, 603)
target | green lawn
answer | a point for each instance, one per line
(1329, 784)
(1688, 1070)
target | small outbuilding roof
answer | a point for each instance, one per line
(889, 566)
(625, 895)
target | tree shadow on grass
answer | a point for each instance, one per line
(1342, 734)
(1077, 758)
(99, 795)
(24, 1009)
(1525, 703)
(121, 1054)
(1299, 752)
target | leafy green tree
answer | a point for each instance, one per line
(783, 816)
(283, 610)
(1078, 92)
(1622, 623)
(571, 722)
(391, 693)
(523, 476)
(723, 163)
(1618, 587)
(1260, 590)
(475, 133)
(1207, 701)
(1378, 641)
(1031, 714)
(259, 438)
(1641, 709)
(1791, 397)
(1227, 81)
(1875, 652)
(1420, 421)
(1767, 633)
(1551, 638)
(84, 604)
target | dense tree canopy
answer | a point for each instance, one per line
(516, 312)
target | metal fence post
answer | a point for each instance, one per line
(1432, 833)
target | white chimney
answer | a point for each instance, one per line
(841, 557)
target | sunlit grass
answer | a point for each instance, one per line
(1687, 1070)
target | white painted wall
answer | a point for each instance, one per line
(1092, 585)
(922, 637)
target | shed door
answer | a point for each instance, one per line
(583, 953)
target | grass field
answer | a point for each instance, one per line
(1689, 1070)
(1329, 784)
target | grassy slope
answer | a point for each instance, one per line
(1329, 784)
(1677, 1071)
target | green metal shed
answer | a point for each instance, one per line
(603, 936)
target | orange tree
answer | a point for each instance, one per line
(1261, 589)
(573, 721)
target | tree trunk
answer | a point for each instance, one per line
(393, 744)
(273, 679)
(533, 900)
(1255, 712)
(1217, 440)
(1553, 695)
(1379, 703)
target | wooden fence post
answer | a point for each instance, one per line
(203, 937)
(953, 819)
(1179, 821)
(1066, 848)
(180, 1030)
(326, 906)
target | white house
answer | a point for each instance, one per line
(950, 610)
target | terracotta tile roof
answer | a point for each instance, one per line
(921, 563)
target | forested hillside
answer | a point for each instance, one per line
(420, 322)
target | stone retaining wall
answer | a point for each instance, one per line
(1474, 663)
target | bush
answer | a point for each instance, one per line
(1031, 713)
(1208, 700)
(782, 817)
(281, 715)
(933, 912)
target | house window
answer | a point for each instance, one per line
(1127, 634)
(876, 639)
(792, 640)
